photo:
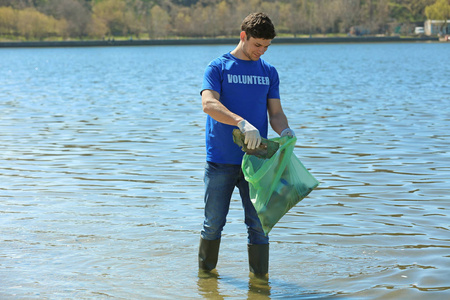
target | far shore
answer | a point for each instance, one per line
(218, 41)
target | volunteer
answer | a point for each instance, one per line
(240, 90)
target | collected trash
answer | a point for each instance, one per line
(266, 149)
(278, 182)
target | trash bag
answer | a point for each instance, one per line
(277, 184)
(266, 149)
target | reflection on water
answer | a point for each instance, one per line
(213, 286)
(102, 160)
(258, 288)
(209, 287)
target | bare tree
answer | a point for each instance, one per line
(8, 21)
(159, 22)
(203, 21)
(32, 24)
(212, 18)
(74, 12)
(17, 4)
(112, 14)
(224, 18)
(349, 11)
(295, 17)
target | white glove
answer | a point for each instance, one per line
(287, 132)
(252, 137)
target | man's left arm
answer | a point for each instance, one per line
(277, 118)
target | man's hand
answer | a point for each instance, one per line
(287, 132)
(252, 137)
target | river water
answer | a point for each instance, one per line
(101, 166)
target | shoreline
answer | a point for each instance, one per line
(212, 41)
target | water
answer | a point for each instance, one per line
(101, 166)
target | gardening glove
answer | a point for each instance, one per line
(252, 137)
(287, 132)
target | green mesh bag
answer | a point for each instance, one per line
(278, 183)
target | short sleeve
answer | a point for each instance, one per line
(212, 78)
(274, 90)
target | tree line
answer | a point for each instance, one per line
(96, 19)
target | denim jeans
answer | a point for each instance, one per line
(220, 181)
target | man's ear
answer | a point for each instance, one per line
(243, 36)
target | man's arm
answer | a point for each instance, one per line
(277, 118)
(213, 107)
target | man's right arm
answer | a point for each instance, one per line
(213, 107)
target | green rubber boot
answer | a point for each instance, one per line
(208, 254)
(258, 259)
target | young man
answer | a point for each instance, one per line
(239, 90)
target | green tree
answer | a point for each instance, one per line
(440, 10)
(408, 11)
(418, 9)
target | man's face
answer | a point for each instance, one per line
(253, 48)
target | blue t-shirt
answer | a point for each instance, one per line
(244, 87)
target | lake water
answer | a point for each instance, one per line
(101, 168)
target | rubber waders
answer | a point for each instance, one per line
(208, 254)
(258, 259)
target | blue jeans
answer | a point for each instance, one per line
(220, 181)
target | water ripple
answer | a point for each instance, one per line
(102, 159)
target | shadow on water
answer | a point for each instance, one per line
(211, 285)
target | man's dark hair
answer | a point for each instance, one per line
(259, 26)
